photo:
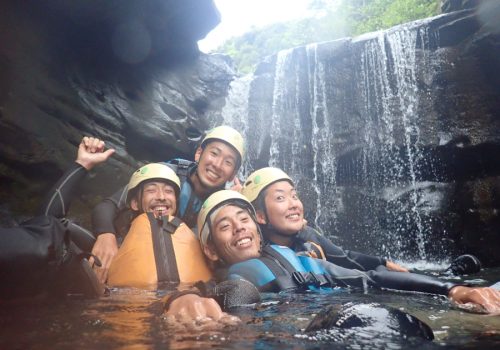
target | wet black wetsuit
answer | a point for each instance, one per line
(280, 268)
(345, 258)
(56, 203)
(34, 254)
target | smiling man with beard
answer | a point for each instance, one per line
(158, 247)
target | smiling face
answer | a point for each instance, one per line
(157, 197)
(234, 236)
(216, 164)
(285, 211)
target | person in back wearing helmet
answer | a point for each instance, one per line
(280, 214)
(230, 237)
(158, 247)
(217, 161)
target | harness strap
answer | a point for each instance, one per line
(162, 231)
(286, 274)
(182, 167)
(280, 258)
(283, 279)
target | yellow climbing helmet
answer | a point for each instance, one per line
(153, 171)
(226, 134)
(260, 179)
(215, 201)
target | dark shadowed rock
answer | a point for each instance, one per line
(129, 72)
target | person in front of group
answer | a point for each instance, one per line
(231, 239)
(280, 214)
(217, 161)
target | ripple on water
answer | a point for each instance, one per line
(134, 318)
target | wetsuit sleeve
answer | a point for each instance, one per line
(383, 278)
(57, 201)
(105, 213)
(410, 282)
(335, 254)
(227, 294)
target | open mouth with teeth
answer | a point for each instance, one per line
(160, 210)
(244, 242)
(293, 216)
(212, 174)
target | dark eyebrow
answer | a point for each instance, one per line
(220, 151)
(238, 213)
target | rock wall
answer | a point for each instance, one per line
(129, 72)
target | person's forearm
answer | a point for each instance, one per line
(57, 202)
(410, 282)
(105, 213)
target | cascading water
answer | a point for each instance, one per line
(235, 113)
(346, 128)
(391, 99)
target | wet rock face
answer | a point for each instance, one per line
(128, 72)
(457, 5)
(392, 137)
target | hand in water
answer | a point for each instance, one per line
(487, 298)
(105, 248)
(194, 312)
(392, 266)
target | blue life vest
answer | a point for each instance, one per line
(279, 268)
(189, 203)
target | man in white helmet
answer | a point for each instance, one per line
(216, 162)
(232, 241)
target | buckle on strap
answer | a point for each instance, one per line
(320, 280)
(169, 226)
(300, 278)
(329, 280)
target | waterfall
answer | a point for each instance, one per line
(235, 114)
(346, 128)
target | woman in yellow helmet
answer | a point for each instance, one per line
(280, 214)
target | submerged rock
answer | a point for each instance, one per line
(369, 320)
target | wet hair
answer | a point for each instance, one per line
(259, 203)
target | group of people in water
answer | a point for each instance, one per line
(177, 222)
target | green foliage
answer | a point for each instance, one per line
(334, 19)
(382, 14)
